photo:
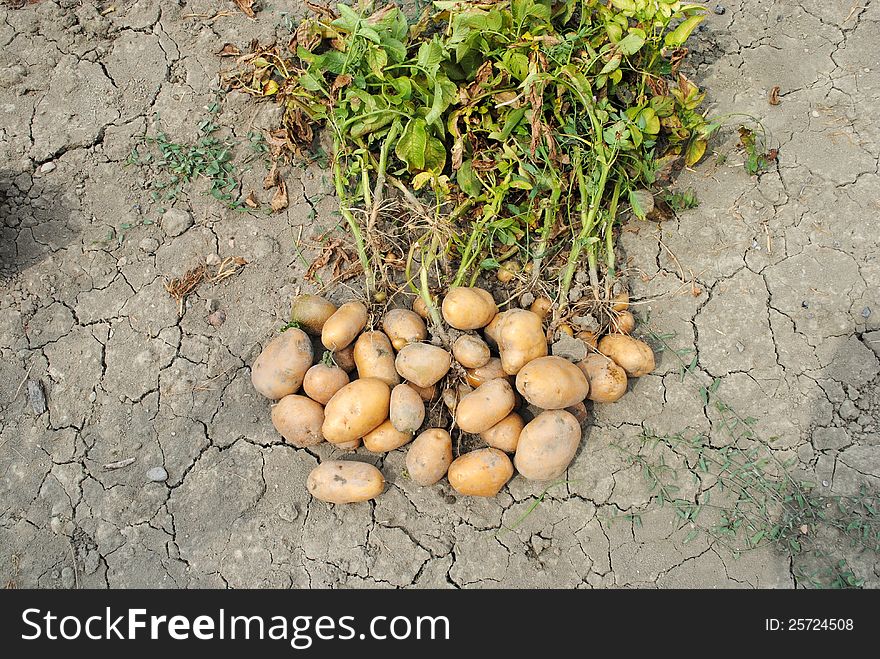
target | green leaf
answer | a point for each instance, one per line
(695, 151)
(612, 65)
(635, 201)
(445, 92)
(418, 149)
(467, 179)
(377, 60)
(631, 44)
(429, 57)
(517, 64)
(651, 121)
(680, 34)
(625, 5)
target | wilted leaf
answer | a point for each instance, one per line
(695, 151)
(774, 96)
(251, 200)
(279, 199)
(247, 6)
(229, 50)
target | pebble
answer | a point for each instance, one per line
(217, 318)
(36, 396)
(157, 474)
(212, 259)
(92, 396)
(47, 167)
(149, 245)
(720, 10)
(526, 300)
(866, 312)
(175, 221)
(212, 304)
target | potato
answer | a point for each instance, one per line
(374, 358)
(485, 406)
(621, 301)
(345, 481)
(322, 382)
(507, 272)
(490, 331)
(579, 412)
(429, 457)
(386, 438)
(480, 473)
(281, 367)
(547, 445)
(470, 351)
(520, 340)
(504, 435)
(427, 394)
(355, 410)
(467, 308)
(298, 419)
(423, 363)
(404, 326)
(407, 409)
(452, 395)
(344, 358)
(552, 383)
(566, 329)
(633, 356)
(607, 379)
(311, 312)
(342, 327)
(490, 371)
(541, 307)
(625, 322)
(589, 337)
(353, 445)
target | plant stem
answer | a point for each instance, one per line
(609, 240)
(339, 181)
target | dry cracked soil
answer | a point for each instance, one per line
(154, 463)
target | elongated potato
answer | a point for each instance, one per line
(311, 312)
(404, 326)
(407, 409)
(427, 394)
(386, 438)
(520, 340)
(504, 435)
(298, 419)
(633, 356)
(422, 363)
(480, 473)
(468, 308)
(607, 379)
(322, 382)
(429, 456)
(344, 358)
(490, 371)
(547, 445)
(485, 406)
(374, 358)
(355, 410)
(281, 367)
(552, 383)
(345, 481)
(342, 327)
(471, 351)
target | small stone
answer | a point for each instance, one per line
(212, 304)
(68, 578)
(149, 245)
(217, 318)
(526, 300)
(824, 483)
(36, 396)
(848, 410)
(739, 346)
(212, 259)
(866, 312)
(175, 221)
(157, 474)
(47, 167)
(92, 396)
(720, 10)
(569, 348)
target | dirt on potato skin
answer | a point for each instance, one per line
(771, 281)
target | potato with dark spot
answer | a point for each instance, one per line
(345, 481)
(407, 408)
(504, 435)
(403, 327)
(485, 406)
(423, 364)
(429, 457)
(607, 380)
(310, 312)
(471, 351)
(480, 473)
(386, 438)
(281, 367)
(552, 383)
(520, 340)
(322, 382)
(298, 419)
(633, 356)
(492, 370)
(579, 412)
(468, 308)
(342, 327)
(547, 445)
(374, 358)
(355, 410)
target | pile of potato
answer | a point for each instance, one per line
(372, 387)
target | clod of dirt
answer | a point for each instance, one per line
(149, 245)
(217, 318)
(36, 396)
(569, 348)
(175, 221)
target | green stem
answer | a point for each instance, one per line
(339, 181)
(609, 241)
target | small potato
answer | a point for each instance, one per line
(386, 438)
(353, 445)
(345, 481)
(374, 358)
(404, 326)
(429, 457)
(547, 445)
(633, 356)
(566, 329)
(507, 272)
(342, 327)
(422, 363)
(452, 395)
(322, 382)
(520, 340)
(298, 419)
(281, 367)
(607, 379)
(427, 394)
(589, 337)
(552, 383)
(504, 435)
(344, 358)
(625, 322)
(490, 331)
(468, 308)
(470, 351)
(407, 409)
(541, 307)
(490, 371)
(480, 473)
(579, 412)
(311, 312)
(355, 410)
(420, 308)
(621, 301)
(485, 406)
